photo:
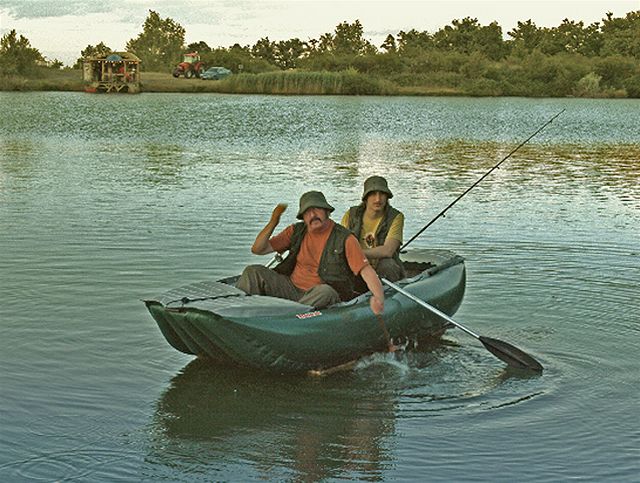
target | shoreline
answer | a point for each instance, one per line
(275, 83)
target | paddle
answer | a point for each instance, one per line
(513, 356)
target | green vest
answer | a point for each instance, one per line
(356, 213)
(333, 269)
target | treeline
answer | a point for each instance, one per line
(601, 59)
(572, 59)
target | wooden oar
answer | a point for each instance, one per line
(513, 356)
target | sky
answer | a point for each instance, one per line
(60, 29)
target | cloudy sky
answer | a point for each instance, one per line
(62, 28)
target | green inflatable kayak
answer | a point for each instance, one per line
(220, 322)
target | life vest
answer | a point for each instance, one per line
(333, 268)
(356, 213)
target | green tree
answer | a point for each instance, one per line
(17, 56)
(349, 40)
(237, 59)
(389, 44)
(593, 40)
(413, 41)
(468, 36)
(160, 44)
(488, 41)
(325, 43)
(288, 52)
(615, 69)
(526, 36)
(572, 37)
(264, 49)
(621, 35)
(92, 51)
(200, 47)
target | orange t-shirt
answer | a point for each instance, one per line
(305, 273)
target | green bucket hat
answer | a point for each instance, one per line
(313, 199)
(376, 183)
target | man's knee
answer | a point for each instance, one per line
(320, 296)
(252, 279)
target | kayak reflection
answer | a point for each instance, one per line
(313, 428)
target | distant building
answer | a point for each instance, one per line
(114, 72)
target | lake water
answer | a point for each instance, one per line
(105, 200)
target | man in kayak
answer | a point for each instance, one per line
(378, 227)
(323, 262)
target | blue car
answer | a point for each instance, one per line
(215, 73)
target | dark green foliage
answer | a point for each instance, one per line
(17, 56)
(92, 51)
(160, 45)
(464, 58)
(622, 35)
(200, 47)
(389, 44)
(632, 86)
(414, 42)
(615, 69)
(237, 59)
(467, 36)
(349, 40)
(288, 53)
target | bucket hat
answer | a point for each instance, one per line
(313, 199)
(376, 183)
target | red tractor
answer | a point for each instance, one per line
(190, 66)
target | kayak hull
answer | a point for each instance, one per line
(218, 321)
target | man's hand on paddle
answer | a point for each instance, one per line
(377, 305)
(370, 277)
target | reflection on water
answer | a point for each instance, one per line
(310, 429)
(568, 167)
(316, 429)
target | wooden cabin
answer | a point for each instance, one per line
(114, 72)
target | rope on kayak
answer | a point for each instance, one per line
(185, 300)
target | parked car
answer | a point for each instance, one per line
(215, 73)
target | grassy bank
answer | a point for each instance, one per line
(347, 82)
(44, 80)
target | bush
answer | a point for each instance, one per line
(588, 86)
(632, 86)
(481, 87)
(615, 69)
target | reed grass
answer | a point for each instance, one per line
(43, 80)
(347, 82)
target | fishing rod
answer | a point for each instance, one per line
(441, 214)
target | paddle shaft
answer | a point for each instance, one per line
(504, 351)
(441, 214)
(430, 307)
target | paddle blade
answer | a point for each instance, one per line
(513, 356)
